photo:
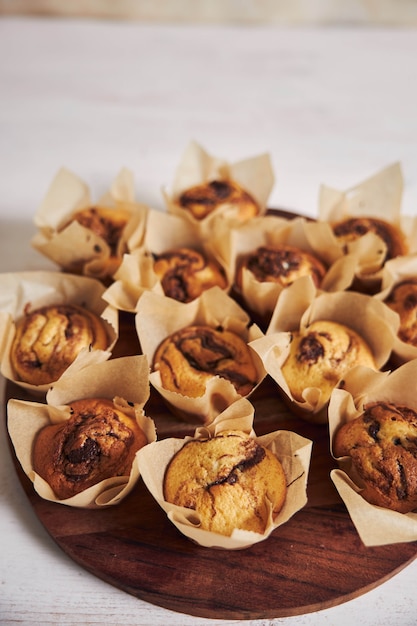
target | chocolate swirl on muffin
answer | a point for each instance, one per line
(185, 273)
(106, 223)
(353, 228)
(382, 444)
(403, 300)
(229, 480)
(188, 358)
(203, 199)
(281, 264)
(321, 354)
(97, 442)
(48, 340)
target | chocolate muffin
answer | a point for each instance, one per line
(382, 444)
(353, 228)
(403, 300)
(190, 357)
(48, 340)
(321, 354)
(281, 264)
(97, 442)
(203, 199)
(185, 273)
(229, 480)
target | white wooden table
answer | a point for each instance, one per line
(331, 105)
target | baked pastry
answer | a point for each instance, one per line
(382, 444)
(321, 354)
(109, 224)
(97, 442)
(185, 273)
(203, 199)
(352, 228)
(281, 264)
(403, 300)
(188, 358)
(48, 339)
(229, 480)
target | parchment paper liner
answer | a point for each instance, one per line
(74, 247)
(39, 288)
(232, 244)
(196, 167)
(378, 196)
(394, 272)
(123, 380)
(375, 525)
(164, 231)
(291, 449)
(159, 316)
(298, 306)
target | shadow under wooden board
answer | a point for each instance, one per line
(314, 561)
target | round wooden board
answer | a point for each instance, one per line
(314, 561)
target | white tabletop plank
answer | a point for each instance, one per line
(331, 106)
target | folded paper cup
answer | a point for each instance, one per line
(380, 197)
(81, 247)
(23, 291)
(305, 256)
(197, 167)
(292, 450)
(123, 381)
(158, 317)
(191, 264)
(375, 525)
(298, 307)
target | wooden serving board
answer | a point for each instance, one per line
(314, 561)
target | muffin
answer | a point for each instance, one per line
(48, 339)
(382, 445)
(229, 480)
(97, 442)
(352, 228)
(190, 357)
(321, 354)
(280, 264)
(203, 199)
(403, 300)
(108, 224)
(185, 273)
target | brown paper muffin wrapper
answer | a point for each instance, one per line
(379, 196)
(74, 247)
(395, 271)
(38, 288)
(231, 245)
(159, 316)
(375, 525)
(292, 450)
(298, 306)
(196, 167)
(125, 381)
(164, 232)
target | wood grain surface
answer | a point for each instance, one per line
(314, 561)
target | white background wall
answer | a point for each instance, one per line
(360, 12)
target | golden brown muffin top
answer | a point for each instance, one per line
(203, 199)
(403, 300)
(49, 338)
(227, 479)
(97, 442)
(382, 443)
(186, 273)
(188, 358)
(283, 264)
(352, 228)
